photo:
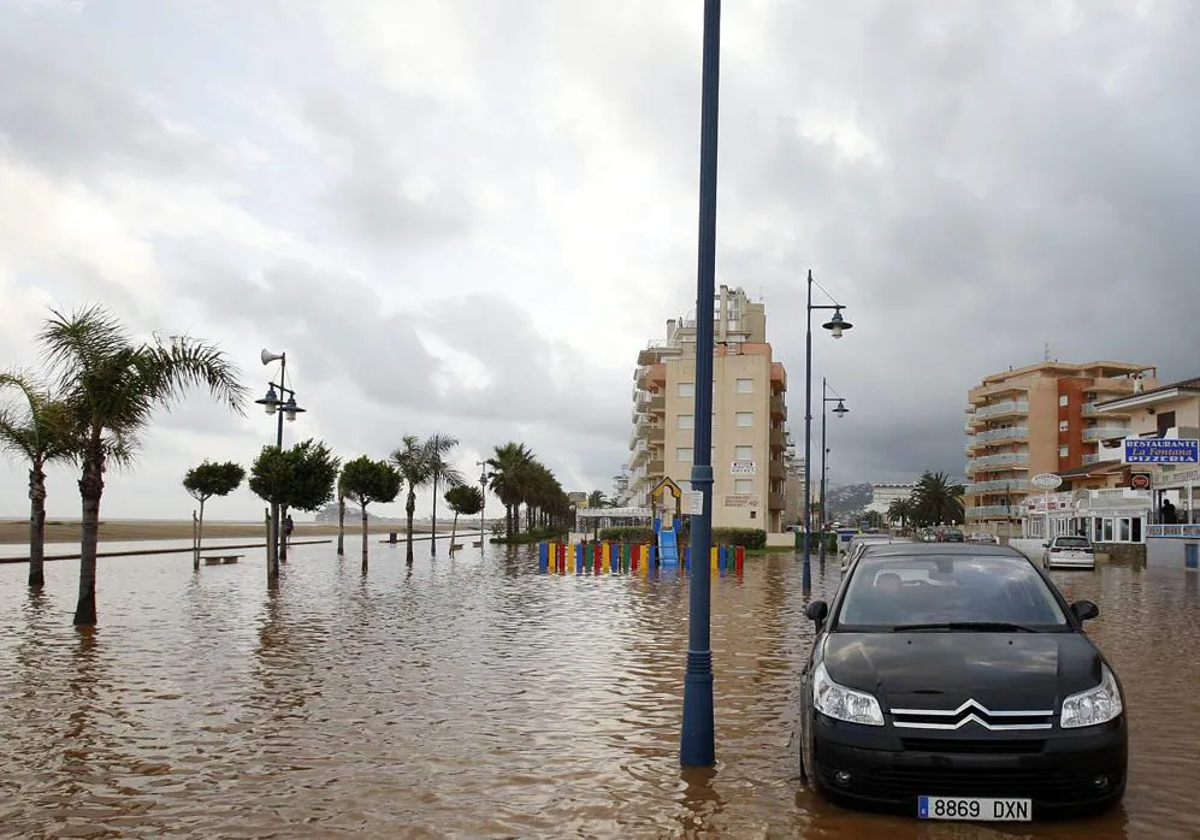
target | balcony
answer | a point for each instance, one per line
(776, 470)
(656, 435)
(997, 461)
(997, 435)
(1000, 485)
(657, 404)
(658, 349)
(776, 501)
(777, 439)
(778, 407)
(1001, 409)
(1093, 458)
(1105, 432)
(655, 468)
(1090, 410)
(993, 512)
(1112, 385)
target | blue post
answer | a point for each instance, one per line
(578, 558)
(697, 747)
(543, 557)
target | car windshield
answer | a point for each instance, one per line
(938, 591)
(1071, 542)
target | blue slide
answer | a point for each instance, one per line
(668, 544)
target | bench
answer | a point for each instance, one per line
(455, 546)
(223, 559)
(477, 543)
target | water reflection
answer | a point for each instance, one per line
(473, 697)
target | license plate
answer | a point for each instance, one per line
(972, 808)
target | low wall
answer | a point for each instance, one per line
(787, 540)
(1120, 552)
(1031, 548)
(1167, 552)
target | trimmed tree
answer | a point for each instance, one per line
(366, 481)
(204, 482)
(464, 499)
(302, 477)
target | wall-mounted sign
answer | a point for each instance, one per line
(741, 500)
(695, 503)
(1139, 481)
(1046, 481)
(1161, 451)
(742, 468)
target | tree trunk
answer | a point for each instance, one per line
(272, 569)
(364, 538)
(199, 537)
(410, 507)
(91, 488)
(508, 521)
(453, 531)
(433, 521)
(341, 525)
(37, 527)
(281, 533)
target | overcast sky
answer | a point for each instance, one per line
(467, 216)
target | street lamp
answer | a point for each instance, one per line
(840, 411)
(484, 475)
(697, 747)
(273, 403)
(836, 325)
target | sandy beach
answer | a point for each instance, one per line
(130, 530)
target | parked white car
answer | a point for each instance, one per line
(1068, 553)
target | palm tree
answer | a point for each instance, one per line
(40, 435)
(511, 468)
(597, 499)
(936, 500)
(901, 510)
(441, 471)
(112, 387)
(411, 460)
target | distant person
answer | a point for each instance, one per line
(1168, 513)
(288, 527)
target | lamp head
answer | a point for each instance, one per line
(270, 401)
(841, 410)
(837, 324)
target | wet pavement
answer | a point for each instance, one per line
(474, 698)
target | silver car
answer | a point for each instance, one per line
(1069, 553)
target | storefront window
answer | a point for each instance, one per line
(1108, 531)
(1124, 535)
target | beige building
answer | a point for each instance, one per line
(749, 413)
(1043, 418)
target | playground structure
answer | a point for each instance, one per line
(667, 522)
(598, 557)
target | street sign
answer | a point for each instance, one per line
(695, 503)
(1161, 451)
(1046, 481)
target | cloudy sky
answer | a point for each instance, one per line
(467, 215)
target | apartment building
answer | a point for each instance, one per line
(1039, 419)
(884, 494)
(749, 413)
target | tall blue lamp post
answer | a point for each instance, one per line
(697, 737)
(840, 411)
(836, 325)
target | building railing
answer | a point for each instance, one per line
(1007, 407)
(1009, 485)
(1002, 458)
(1009, 433)
(993, 512)
(1093, 458)
(1105, 432)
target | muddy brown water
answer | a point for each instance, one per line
(474, 698)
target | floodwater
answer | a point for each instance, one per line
(474, 698)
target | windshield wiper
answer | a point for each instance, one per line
(970, 626)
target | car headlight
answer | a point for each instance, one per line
(837, 701)
(1094, 706)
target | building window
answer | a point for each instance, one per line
(1124, 535)
(745, 386)
(1063, 451)
(1062, 400)
(1166, 421)
(745, 419)
(743, 486)
(1064, 425)
(683, 454)
(743, 453)
(685, 421)
(686, 389)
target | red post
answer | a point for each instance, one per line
(739, 558)
(597, 555)
(635, 555)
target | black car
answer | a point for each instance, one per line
(953, 681)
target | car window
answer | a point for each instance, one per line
(885, 592)
(1071, 542)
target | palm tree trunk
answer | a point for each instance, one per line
(453, 531)
(341, 525)
(37, 527)
(91, 488)
(433, 520)
(509, 517)
(410, 507)
(364, 539)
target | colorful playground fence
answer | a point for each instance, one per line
(598, 558)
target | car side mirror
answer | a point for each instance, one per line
(1045, 545)
(817, 611)
(1085, 610)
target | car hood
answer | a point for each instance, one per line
(936, 670)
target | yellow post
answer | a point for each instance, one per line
(714, 552)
